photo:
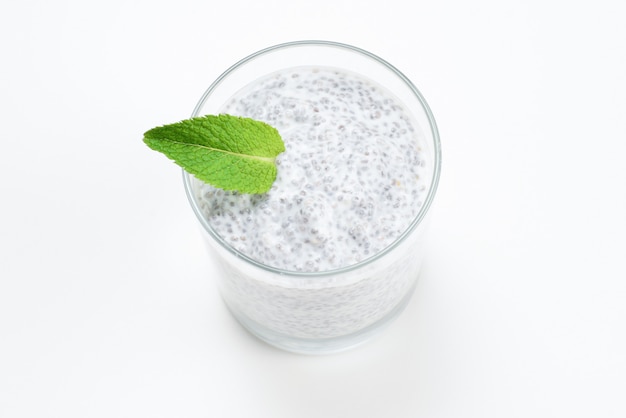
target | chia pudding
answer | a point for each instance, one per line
(348, 184)
(352, 179)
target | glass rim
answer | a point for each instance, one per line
(417, 220)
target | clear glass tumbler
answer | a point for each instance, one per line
(325, 311)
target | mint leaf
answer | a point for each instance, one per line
(228, 152)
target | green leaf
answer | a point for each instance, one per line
(228, 152)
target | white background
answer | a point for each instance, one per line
(107, 304)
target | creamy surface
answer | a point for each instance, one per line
(350, 182)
